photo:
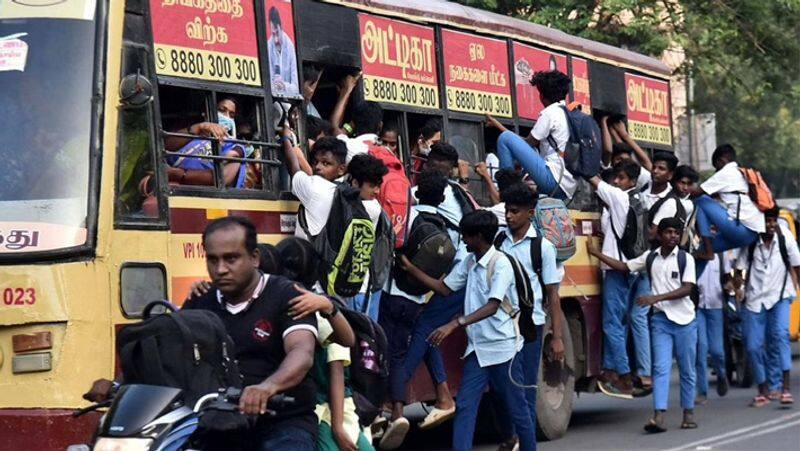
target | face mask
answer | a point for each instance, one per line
(248, 150)
(227, 123)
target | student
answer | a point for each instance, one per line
(710, 325)
(311, 75)
(738, 221)
(618, 146)
(674, 329)
(398, 317)
(547, 165)
(389, 138)
(770, 287)
(517, 239)
(620, 290)
(659, 198)
(428, 135)
(492, 338)
(684, 182)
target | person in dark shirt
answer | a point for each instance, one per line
(274, 350)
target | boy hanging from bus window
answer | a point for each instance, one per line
(674, 329)
(620, 290)
(547, 165)
(492, 337)
(772, 264)
(738, 221)
(516, 240)
(185, 170)
(618, 146)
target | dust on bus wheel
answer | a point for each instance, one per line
(556, 388)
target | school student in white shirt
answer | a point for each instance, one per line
(620, 289)
(547, 165)
(683, 182)
(771, 285)
(738, 221)
(674, 329)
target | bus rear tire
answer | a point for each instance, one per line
(556, 388)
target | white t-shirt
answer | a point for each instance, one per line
(732, 188)
(358, 144)
(710, 285)
(553, 122)
(666, 277)
(644, 179)
(765, 281)
(492, 165)
(499, 211)
(616, 214)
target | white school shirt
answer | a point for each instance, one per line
(644, 179)
(666, 277)
(499, 210)
(688, 205)
(492, 165)
(765, 280)
(709, 284)
(618, 203)
(553, 122)
(358, 144)
(732, 188)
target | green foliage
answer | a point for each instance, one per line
(744, 56)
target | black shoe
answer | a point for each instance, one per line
(722, 385)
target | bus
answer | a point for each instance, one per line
(98, 217)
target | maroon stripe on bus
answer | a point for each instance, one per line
(194, 220)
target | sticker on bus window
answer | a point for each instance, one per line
(38, 236)
(13, 53)
(213, 40)
(47, 9)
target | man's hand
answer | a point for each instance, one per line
(343, 440)
(644, 301)
(308, 303)
(482, 170)
(591, 248)
(255, 398)
(405, 263)
(349, 82)
(556, 349)
(463, 169)
(209, 129)
(99, 391)
(437, 336)
(620, 128)
(199, 288)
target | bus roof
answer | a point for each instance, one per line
(456, 15)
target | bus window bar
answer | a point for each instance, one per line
(225, 159)
(227, 140)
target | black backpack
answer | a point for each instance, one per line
(522, 282)
(429, 248)
(635, 239)
(369, 365)
(464, 199)
(345, 244)
(186, 349)
(583, 152)
(784, 256)
(380, 265)
(695, 294)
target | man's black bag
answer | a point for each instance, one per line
(429, 248)
(187, 349)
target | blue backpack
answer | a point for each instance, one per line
(583, 152)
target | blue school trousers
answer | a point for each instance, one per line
(620, 291)
(474, 381)
(710, 336)
(511, 146)
(767, 342)
(397, 319)
(668, 338)
(731, 234)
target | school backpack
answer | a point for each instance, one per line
(552, 220)
(380, 265)
(395, 193)
(429, 248)
(583, 152)
(464, 198)
(758, 190)
(186, 349)
(680, 211)
(651, 257)
(525, 294)
(345, 244)
(369, 365)
(634, 240)
(784, 256)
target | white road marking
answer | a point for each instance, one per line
(756, 433)
(710, 440)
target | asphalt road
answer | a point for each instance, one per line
(602, 423)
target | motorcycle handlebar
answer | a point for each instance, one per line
(228, 399)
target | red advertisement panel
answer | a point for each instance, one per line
(527, 61)
(649, 112)
(398, 62)
(281, 48)
(580, 84)
(206, 39)
(476, 74)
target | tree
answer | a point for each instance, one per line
(743, 54)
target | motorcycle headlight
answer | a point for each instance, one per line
(123, 444)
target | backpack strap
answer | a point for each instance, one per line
(537, 263)
(785, 258)
(751, 251)
(651, 257)
(681, 263)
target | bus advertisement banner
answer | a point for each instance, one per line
(649, 115)
(398, 62)
(281, 49)
(527, 61)
(476, 74)
(580, 83)
(212, 40)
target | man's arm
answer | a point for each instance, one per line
(308, 303)
(641, 155)
(682, 292)
(608, 146)
(346, 88)
(490, 308)
(438, 286)
(336, 398)
(483, 172)
(611, 262)
(556, 321)
(291, 158)
(210, 129)
(299, 348)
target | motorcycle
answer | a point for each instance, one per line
(155, 418)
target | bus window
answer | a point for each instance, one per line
(467, 138)
(423, 131)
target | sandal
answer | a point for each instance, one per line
(509, 445)
(654, 427)
(759, 401)
(786, 398)
(437, 417)
(688, 425)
